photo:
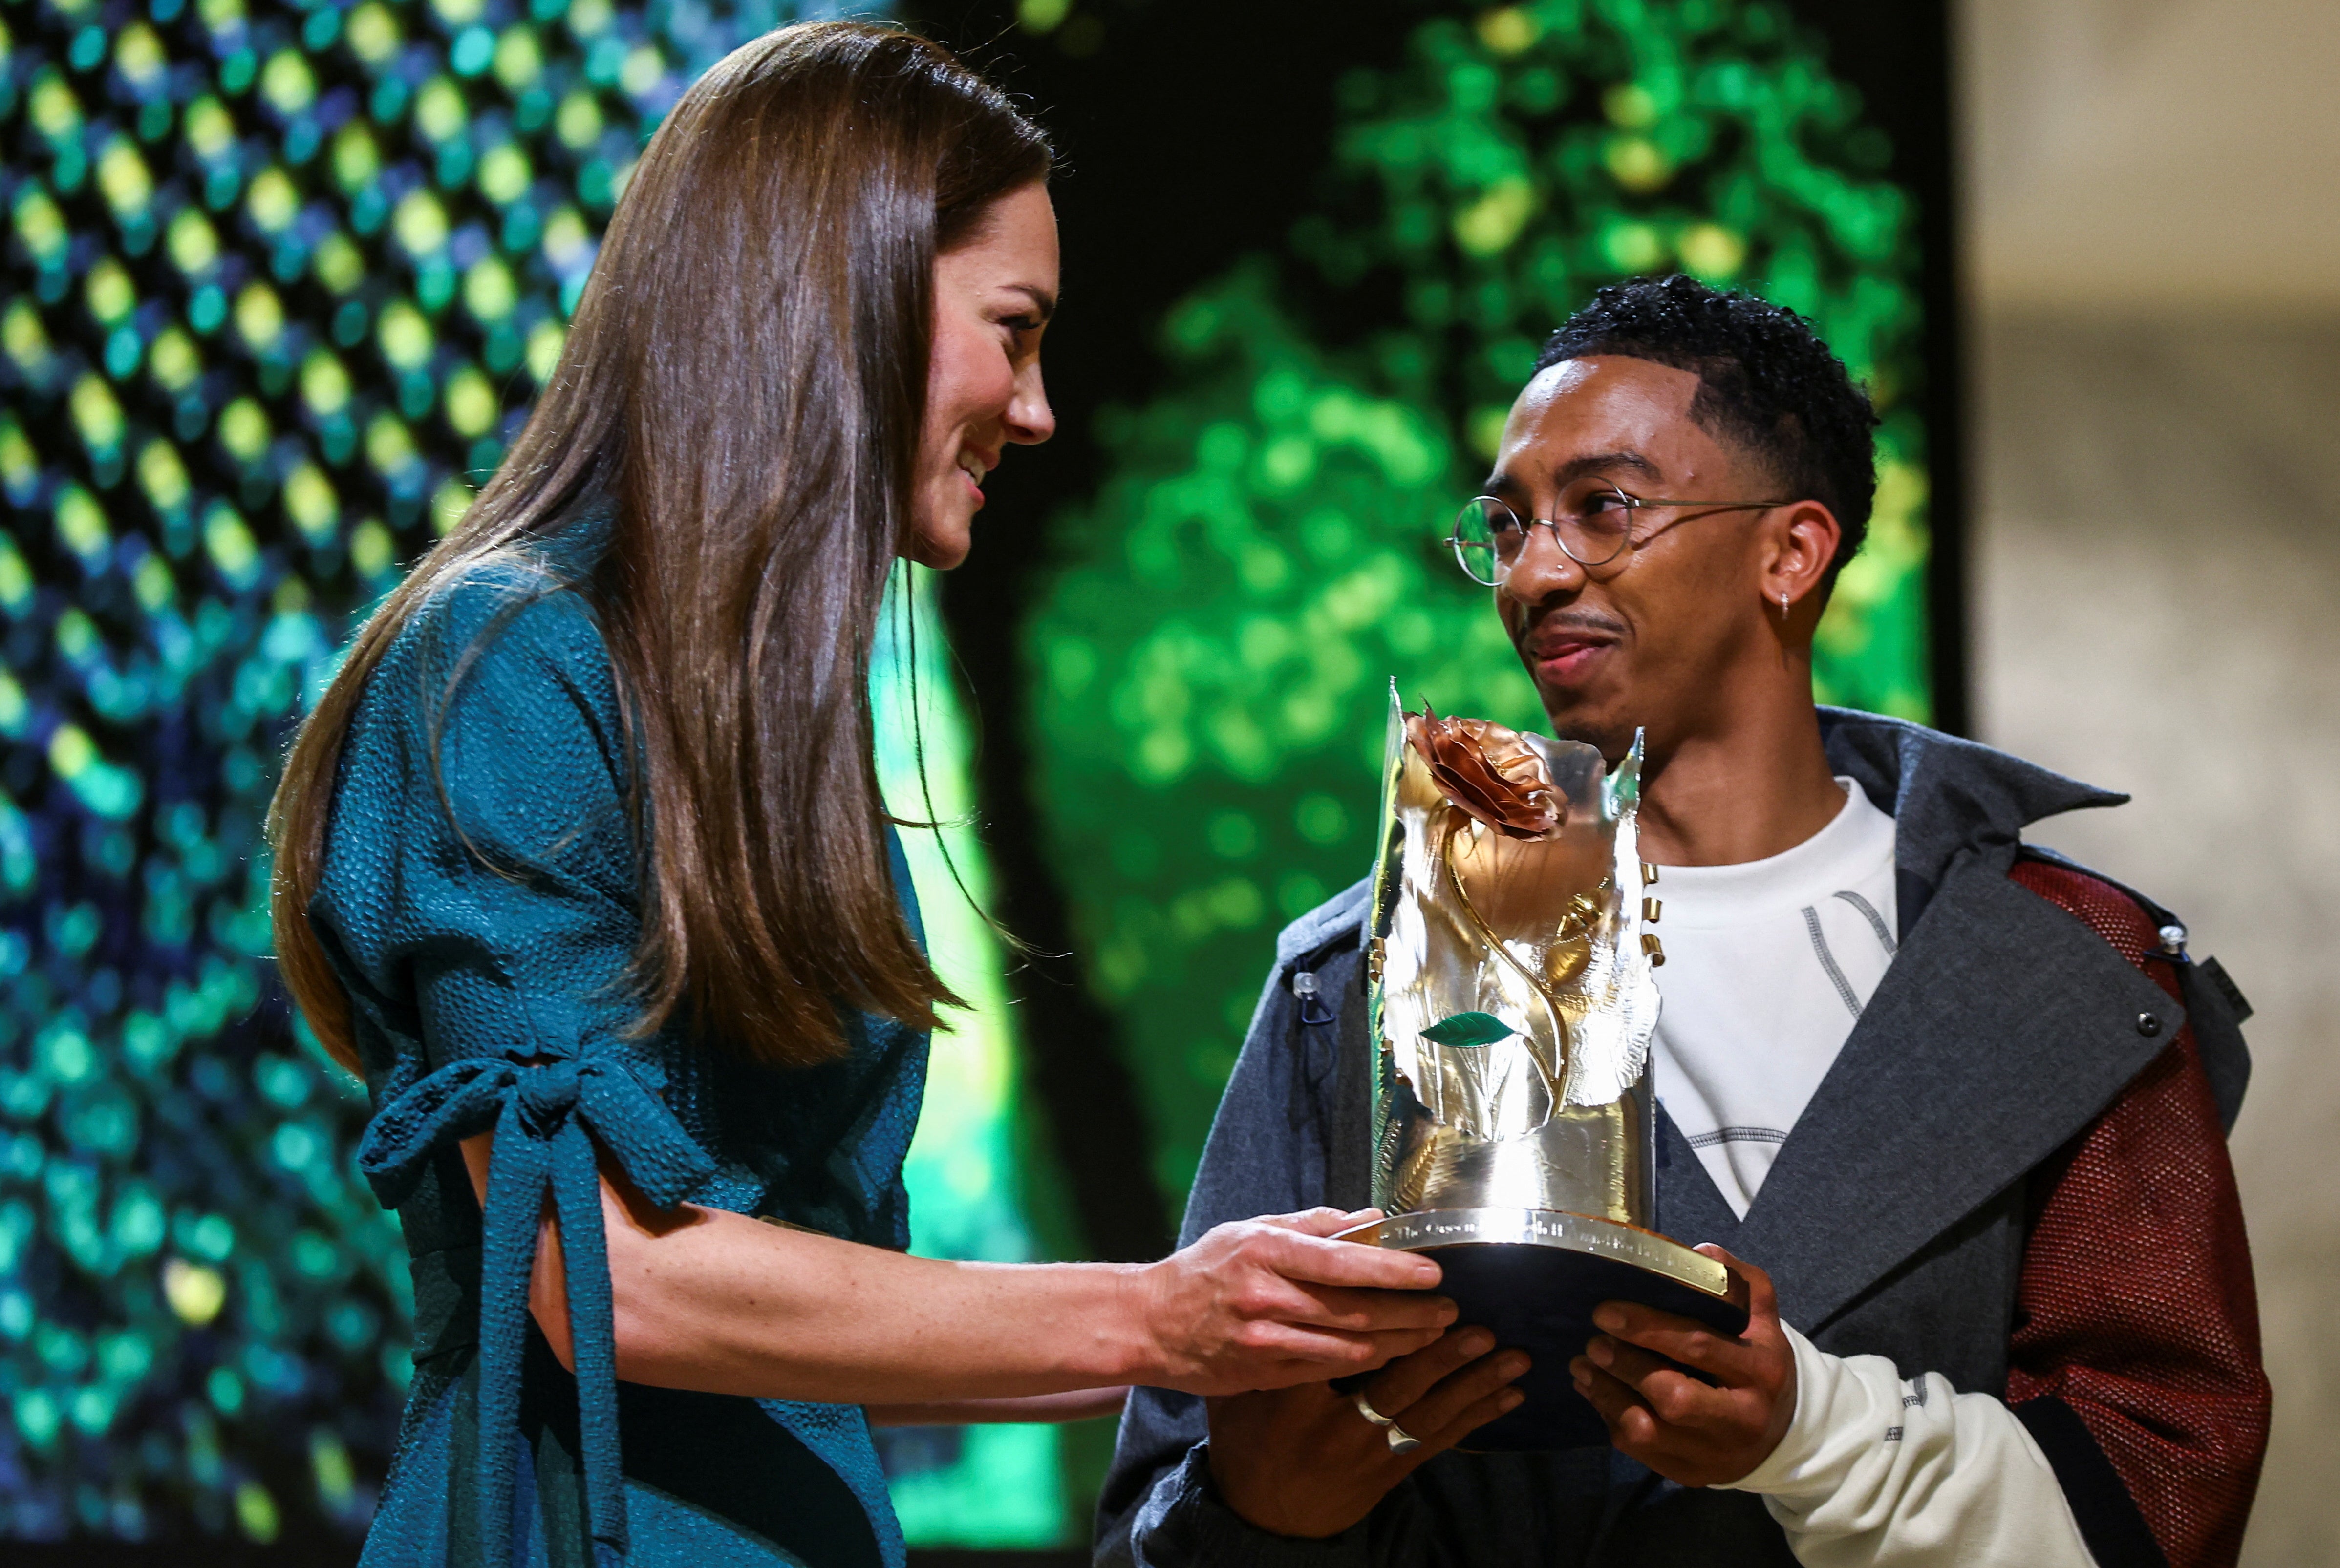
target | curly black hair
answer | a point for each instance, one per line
(1767, 386)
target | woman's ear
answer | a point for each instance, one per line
(1803, 541)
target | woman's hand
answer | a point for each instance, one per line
(1700, 1433)
(1271, 1302)
(1306, 1461)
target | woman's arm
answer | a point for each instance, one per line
(709, 1300)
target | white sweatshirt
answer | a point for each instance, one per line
(1768, 967)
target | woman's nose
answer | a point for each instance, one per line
(1030, 420)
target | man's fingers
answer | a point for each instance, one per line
(1673, 1396)
(1678, 1338)
(1473, 1385)
(1469, 1419)
(1402, 1383)
(1616, 1402)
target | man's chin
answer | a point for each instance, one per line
(1596, 725)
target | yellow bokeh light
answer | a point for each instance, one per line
(356, 159)
(324, 383)
(439, 109)
(340, 265)
(310, 503)
(243, 430)
(419, 222)
(406, 337)
(138, 54)
(518, 58)
(260, 317)
(272, 201)
(123, 176)
(1511, 30)
(373, 32)
(472, 406)
(1711, 252)
(287, 83)
(489, 292)
(578, 123)
(1489, 224)
(173, 359)
(210, 129)
(109, 290)
(504, 175)
(388, 445)
(192, 241)
(1637, 164)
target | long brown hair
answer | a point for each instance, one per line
(742, 390)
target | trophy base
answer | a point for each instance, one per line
(1532, 1278)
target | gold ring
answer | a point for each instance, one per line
(1365, 1409)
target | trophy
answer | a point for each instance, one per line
(1510, 1006)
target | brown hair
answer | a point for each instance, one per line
(743, 389)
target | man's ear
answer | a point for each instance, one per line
(1801, 541)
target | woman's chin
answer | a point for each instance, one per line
(942, 544)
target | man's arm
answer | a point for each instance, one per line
(1859, 1468)
(2135, 1361)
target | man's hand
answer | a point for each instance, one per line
(1697, 1434)
(1305, 1460)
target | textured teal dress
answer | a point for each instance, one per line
(482, 914)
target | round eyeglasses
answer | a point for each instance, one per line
(1593, 525)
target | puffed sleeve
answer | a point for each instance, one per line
(480, 898)
(2135, 1359)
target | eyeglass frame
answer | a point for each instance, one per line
(1625, 540)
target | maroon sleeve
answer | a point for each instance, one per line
(2136, 1312)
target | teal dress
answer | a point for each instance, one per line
(481, 913)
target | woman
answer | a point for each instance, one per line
(581, 862)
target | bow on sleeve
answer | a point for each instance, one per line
(545, 1116)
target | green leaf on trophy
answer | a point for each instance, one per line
(1469, 1029)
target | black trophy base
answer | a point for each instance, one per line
(1532, 1279)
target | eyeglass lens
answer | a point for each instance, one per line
(1594, 524)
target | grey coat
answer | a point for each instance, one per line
(1892, 1221)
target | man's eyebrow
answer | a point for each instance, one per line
(1575, 469)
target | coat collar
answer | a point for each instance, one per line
(1947, 797)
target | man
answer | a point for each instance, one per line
(1956, 1107)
